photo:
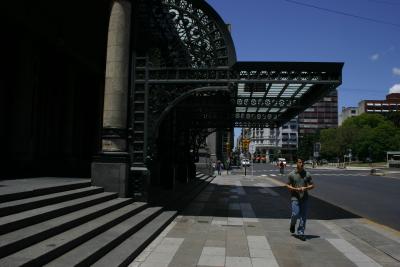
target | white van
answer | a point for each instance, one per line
(283, 160)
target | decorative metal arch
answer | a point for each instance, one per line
(195, 92)
(191, 52)
(203, 33)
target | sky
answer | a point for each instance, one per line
(364, 34)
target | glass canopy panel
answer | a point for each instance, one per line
(271, 93)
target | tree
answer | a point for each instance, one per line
(394, 117)
(306, 145)
(367, 135)
(329, 146)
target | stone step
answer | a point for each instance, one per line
(12, 207)
(28, 192)
(22, 238)
(43, 252)
(92, 250)
(23, 219)
(128, 250)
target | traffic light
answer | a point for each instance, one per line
(228, 148)
(245, 144)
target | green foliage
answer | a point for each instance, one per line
(306, 146)
(367, 135)
(394, 117)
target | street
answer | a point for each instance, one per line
(371, 197)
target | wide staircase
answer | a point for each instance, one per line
(76, 224)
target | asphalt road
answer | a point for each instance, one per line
(373, 197)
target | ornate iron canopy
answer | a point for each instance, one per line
(271, 93)
(263, 94)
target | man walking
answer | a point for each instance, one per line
(299, 182)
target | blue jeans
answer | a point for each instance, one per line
(299, 211)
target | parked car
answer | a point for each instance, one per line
(263, 159)
(245, 163)
(308, 162)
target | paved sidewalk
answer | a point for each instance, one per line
(243, 221)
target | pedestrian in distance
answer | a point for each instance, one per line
(281, 168)
(299, 182)
(219, 167)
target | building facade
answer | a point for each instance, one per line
(276, 142)
(390, 104)
(348, 112)
(321, 115)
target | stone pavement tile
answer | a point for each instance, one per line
(177, 233)
(291, 262)
(372, 252)
(236, 232)
(210, 260)
(203, 219)
(289, 240)
(390, 264)
(215, 243)
(352, 252)
(323, 256)
(321, 244)
(325, 263)
(213, 251)
(190, 242)
(263, 262)
(258, 242)
(254, 231)
(237, 262)
(142, 256)
(154, 264)
(285, 253)
(261, 253)
(166, 249)
(219, 221)
(134, 264)
(217, 234)
(160, 257)
(192, 251)
(184, 260)
(237, 251)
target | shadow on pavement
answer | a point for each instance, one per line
(264, 202)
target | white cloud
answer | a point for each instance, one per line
(396, 71)
(395, 89)
(374, 57)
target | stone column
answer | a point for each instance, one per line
(117, 77)
(110, 168)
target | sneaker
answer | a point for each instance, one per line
(292, 229)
